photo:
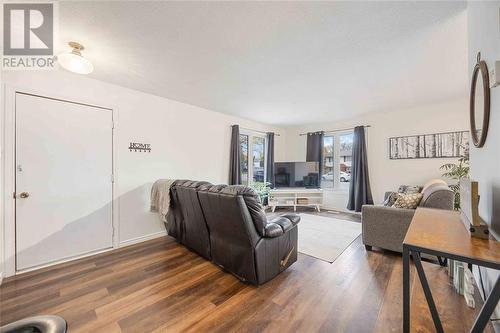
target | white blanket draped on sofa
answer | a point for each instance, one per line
(160, 197)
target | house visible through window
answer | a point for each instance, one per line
(337, 158)
(328, 163)
(252, 164)
(244, 158)
(258, 152)
(345, 160)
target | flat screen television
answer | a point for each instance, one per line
(296, 174)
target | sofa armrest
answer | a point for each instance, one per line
(274, 255)
(278, 226)
(281, 224)
(440, 199)
(272, 230)
(294, 218)
(385, 227)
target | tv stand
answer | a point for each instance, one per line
(296, 197)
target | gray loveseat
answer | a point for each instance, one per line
(386, 227)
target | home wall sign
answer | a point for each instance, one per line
(438, 145)
(140, 147)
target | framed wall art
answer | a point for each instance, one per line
(438, 145)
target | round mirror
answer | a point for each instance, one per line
(479, 103)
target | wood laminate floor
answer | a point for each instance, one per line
(160, 286)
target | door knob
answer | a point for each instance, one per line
(24, 195)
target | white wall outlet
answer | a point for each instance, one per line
(495, 75)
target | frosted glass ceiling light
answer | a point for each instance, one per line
(74, 61)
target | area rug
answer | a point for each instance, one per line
(326, 238)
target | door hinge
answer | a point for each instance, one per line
(112, 178)
(14, 195)
(112, 124)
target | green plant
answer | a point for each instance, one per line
(457, 172)
(262, 189)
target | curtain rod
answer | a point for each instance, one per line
(336, 130)
(249, 129)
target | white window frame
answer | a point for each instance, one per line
(336, 160)
(251, 135)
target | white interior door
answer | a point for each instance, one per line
(63, 180)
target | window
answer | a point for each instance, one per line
(258, 149)
(244, 158)
(337, 159)
(345, 160)
(255, 167)
(328, 163)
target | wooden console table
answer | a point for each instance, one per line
(442, 233)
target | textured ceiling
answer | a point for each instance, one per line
(282, 63)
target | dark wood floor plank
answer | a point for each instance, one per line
(166, 309)
(160, 286)
(389, 320)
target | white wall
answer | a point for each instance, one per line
(2, 233)
(484, 36)
(386, 174)
(187, 141)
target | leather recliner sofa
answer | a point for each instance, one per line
(227, 225)
(186, 221)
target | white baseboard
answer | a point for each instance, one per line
(64, 260)
(122, 244)
(342, 210)
(142, 238)
(92, 253)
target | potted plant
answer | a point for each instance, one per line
(262, 189)
(457, 172)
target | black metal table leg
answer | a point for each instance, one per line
(487, 309)
(427, 291)
(406, 289)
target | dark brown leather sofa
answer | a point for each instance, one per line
(226, 224)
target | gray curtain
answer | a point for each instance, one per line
(234, 157)
(359, 189)
(315, 149)
(270, 159)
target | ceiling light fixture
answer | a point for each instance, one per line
(74, 61)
